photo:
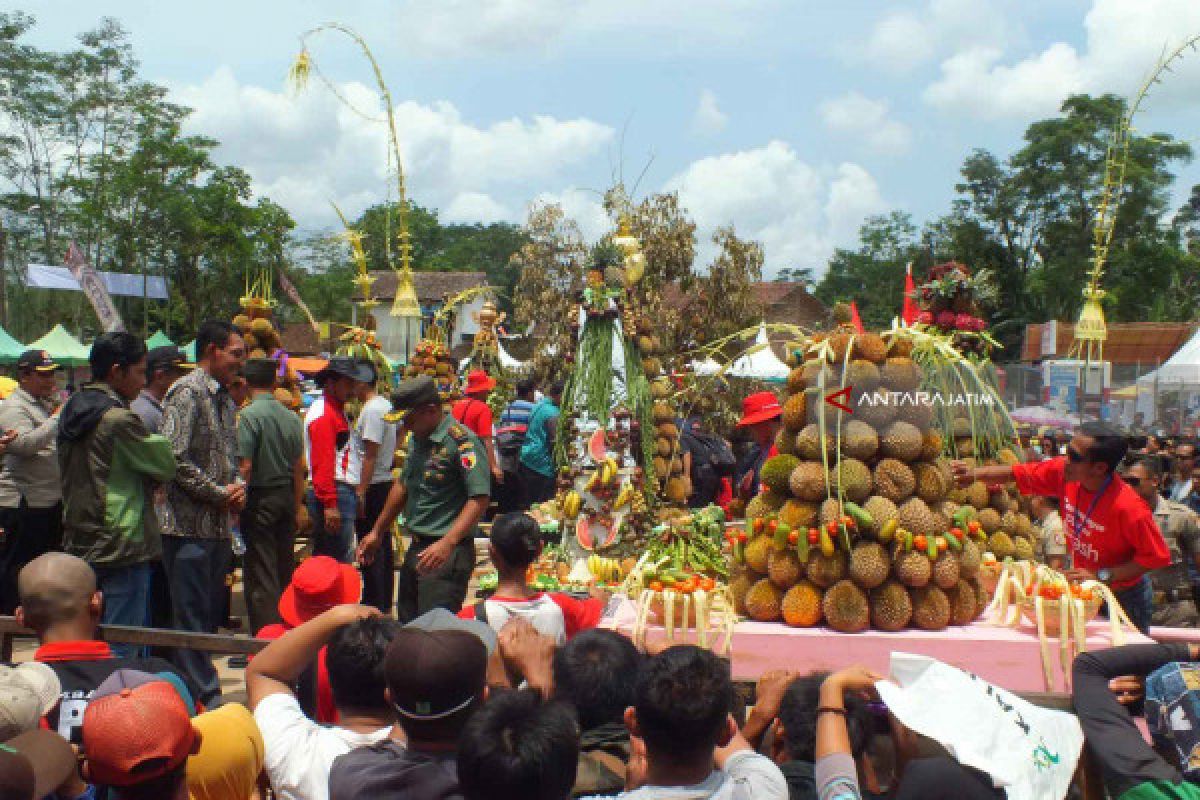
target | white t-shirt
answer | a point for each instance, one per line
(541, 612)
(747, 776)
(370, 427)
(299, 752)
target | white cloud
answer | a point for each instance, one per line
(709, 118)
(907, 38)
(307, 150)
(859, 117)
(475, 28)
(798, 211)
(469, 207)
(583, 206)
(1124, 38)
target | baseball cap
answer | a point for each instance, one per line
(436, 668)
(51, 761)
(230, 757)
(317, 585)
(136, 728)
(347, 367)
(759, 407)
(160, 359)
(38, 360)
(28, 692)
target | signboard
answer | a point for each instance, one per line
(1050, 338)
(92, 286)
(1060, 380)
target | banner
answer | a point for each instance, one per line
(93, 287)
(118, 284)
(294, 295)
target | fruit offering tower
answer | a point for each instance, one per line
(263, 341)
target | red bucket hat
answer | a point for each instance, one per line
(759, 407)
(479, 381)
(319, 584)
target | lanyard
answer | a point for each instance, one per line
(1078, 522)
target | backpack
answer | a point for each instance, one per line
(712, 460)
(509, 439)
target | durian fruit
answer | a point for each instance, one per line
(900, 375)
(808, 443)
(964, 446)
(1008, 521)
(862, 375)
(982, 598)
(977, 495)
(1023, 549)
(1000, 501)
(894, 480)
(784, 568)
(946, 570)
(845, 607)
(1001, 545)
(874, 408)
(916, 517)
(739, 585)
(764, 602)
(667, 430)
(964, 603)
(933, 484)
(795, 381)
(989, 520)
(839, 343)
(251, 342)
(795, 412)
(916, 412)
(662, 413)
(829, 511)
(912, 568)
(869, 564)
(802, 605)
(1024, 525)
(812, 371)
(970, 559)
(777, 471)
(756, 553)
(901, 441)
(854, 480)
(798, 513)
(931, 608)
(870, 346)
(773, 500)
(785, 442)
(931, 444)
(242, 323)
(675, 491)
(859, 440)
(881, 510)
(900, 347)
(651, 366)
(663, 447)
(891, 607)
(808, 481)
(825, 571)
(660, 389)
(757, 507)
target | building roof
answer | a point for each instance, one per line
(430, 286)
(1145, 343)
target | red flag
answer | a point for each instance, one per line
(855, 318)
(909, 313)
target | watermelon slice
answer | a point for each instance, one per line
(583, 533)
(598, 446)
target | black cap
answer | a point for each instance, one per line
(259, 371)
(347, 367)
(161, 359)
(436, 674)
(415, 392)
(39, 360)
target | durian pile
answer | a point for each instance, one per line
(263, 341)
(433, 359)
(859, 524)
(668, 458)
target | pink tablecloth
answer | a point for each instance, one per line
(1006, 657)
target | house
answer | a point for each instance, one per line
(776, 302)
(398, 335)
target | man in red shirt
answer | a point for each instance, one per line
(1111, 533)
(474, 412)
(332, 505)
(761, 414)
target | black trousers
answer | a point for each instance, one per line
(444, 588)
(269, 527)
(28, 533)
(537, 487)
(509, 494)
(379, 577)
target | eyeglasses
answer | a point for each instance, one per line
(1074, 456)
(1132, 480)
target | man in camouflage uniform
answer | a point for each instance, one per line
(443, 490)
(1174, 606)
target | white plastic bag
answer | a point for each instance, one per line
(1028, 751)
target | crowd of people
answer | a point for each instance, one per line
(128, 504)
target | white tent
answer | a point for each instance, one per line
(1179, 373)
(761, 364)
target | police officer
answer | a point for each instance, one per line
(443, 490)
(1174, 606)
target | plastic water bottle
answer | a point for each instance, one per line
(235, 535)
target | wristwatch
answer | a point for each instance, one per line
(1104, 575)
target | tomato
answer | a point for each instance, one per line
(685, 587)
(832, 527)
(758, 525)
(793, 537)
(708, 584)
(942, 545)
(973, 526)
(656, 586)
(920, 542)
(814, 535)
(741, 537)
(848, 522)
(957, 533)
(773, 526)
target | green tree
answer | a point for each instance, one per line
(873, 275)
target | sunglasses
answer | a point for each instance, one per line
(1132, 480)
(1075, 457)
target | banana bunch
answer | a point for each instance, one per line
(572, 504)
(624, 497)
(605, 474)
(604, 570)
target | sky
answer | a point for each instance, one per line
(792, 120)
